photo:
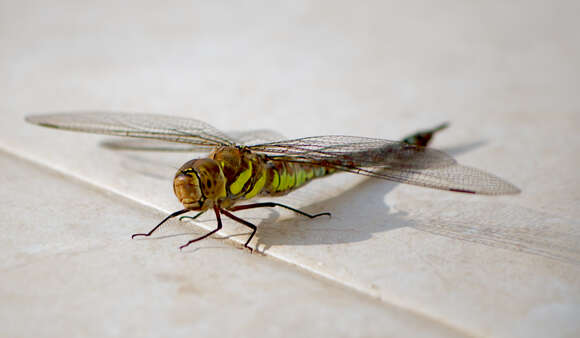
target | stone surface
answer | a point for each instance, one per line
(504, 75)
(70, 267)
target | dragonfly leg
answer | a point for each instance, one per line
(244, 222)
(422, 138)
(177, 213)
(192, 217)
(219, 226)
(274, 204)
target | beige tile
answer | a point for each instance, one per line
(69, 268)
(505, 76)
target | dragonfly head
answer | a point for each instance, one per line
(198, 184)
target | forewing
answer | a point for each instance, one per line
(238, 137)
(255, 136)
(356, 152)
(138, 144)
(148, 126)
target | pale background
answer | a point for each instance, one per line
(393, 260)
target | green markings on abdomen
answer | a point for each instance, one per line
(258, 186)
(291, 178)
(286, 176)
(267, 176)
(275, 179)
(300, 177)
(241, 180)
(283, 185)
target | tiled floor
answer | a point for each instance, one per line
(393, 260)
(70, 268)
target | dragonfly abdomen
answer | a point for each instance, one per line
(285, 176)
(249, 174)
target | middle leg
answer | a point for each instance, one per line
(274, 204)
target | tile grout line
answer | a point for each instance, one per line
(317, 274)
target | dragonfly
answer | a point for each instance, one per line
(238, 170)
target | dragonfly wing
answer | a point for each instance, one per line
(356, 152)
(389, 160)
(159, 127)
(239, 137)
(255, 136)
(455, 177)
(137, 144)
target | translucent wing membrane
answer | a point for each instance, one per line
(152, 145)
(240, 137)
(352, 152)
(390, 160)
(160, 127)
(455, 177)
(255, 136)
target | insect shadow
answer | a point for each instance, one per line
(359, 212)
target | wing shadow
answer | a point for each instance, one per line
(349, 224)
(348, 208)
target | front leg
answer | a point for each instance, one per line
(219, 226)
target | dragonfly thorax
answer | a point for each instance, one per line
(199, 183)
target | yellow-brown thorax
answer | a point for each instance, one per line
(233, 173)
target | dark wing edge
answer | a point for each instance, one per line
(145, 126)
